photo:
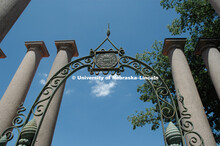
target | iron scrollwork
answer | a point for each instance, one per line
(41, 104)
(111, 61)
(43, 100)
(167, 108)
(17, 123)
(187, 126)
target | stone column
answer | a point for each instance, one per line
(10, 10)
(211, 56)
(216, 5)
(2, 54)
(184, 82)
(65, 51)
(19, 85)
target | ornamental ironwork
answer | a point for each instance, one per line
(111, 61)
(187, 125)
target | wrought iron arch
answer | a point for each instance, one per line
(112, 61)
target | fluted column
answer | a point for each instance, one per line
(211, 56)
(65, 51)
(2, 54)
(19, 85)
(184, 82)
(216, 5)
(10, 10)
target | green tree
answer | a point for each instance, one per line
(198, 19)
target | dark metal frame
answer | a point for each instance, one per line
(165, 101)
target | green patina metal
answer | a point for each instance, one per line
(173, 135)
(3, 140)
(17, 123)
(187, 126)
(27, 133)
(111, 61)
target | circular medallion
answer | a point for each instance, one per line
(106, 60)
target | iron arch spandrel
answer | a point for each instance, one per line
(112, 61)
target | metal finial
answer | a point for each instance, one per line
(173, 135)
(108, 31)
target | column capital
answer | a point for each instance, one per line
(2, 54)
(67, 45)
(204, 43)
(170, 43)
(39, 45)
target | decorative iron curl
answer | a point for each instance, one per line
(120, 69)
(76, 65)
(113, 72)
(17, 122)
(136, 65)
(65, 71)
(39, 109)
(147, 70)
(124, 59)
(167, 109)
(97, 72)
(88, 60)
(56, 81)
(157, 83)
(162, 91)
(105, 72)
(196, 139)
(187, 126)
(121, 52)
(46, 90)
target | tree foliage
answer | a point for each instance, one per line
(198, 19)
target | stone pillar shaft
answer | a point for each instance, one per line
(10, 10)
(19, 85)
(216, 5)
(211, 56)
(184, 82)
(66, 50)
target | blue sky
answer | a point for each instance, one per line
(89, 114)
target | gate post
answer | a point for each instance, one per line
(10, 10)
(211, 56)
(216, 5)
(65, 51)
(184, 82)
(19, 85)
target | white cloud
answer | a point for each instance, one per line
(102, 89)
(44, 78)
(69, 91)
(45, 75)
(42, 81)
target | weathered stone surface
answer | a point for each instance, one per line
(216, 5)
(65, 51)
(211, 56)
(10, 10)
